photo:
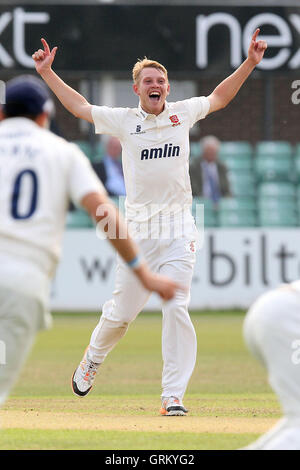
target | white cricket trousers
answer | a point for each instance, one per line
(21, 317)
(272, 333)
(174, 258)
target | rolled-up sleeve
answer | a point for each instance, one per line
(82, 178)
(198, 108)
(108, 120)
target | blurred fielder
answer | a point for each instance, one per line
(39, 173)
(272, 333)
(155, 144)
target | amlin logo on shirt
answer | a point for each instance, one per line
(168, 150)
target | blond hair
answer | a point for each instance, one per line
(146, 63)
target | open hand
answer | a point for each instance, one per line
(44, 58)
(257, 48)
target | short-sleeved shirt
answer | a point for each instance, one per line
(155, 154)
(39, 174)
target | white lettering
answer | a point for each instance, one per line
(116, 460)
(2, 92)
(2, 353)
(20, 19)
(108, 226)
(282, 40)
(240, 40)
(296, 354)
(203, 25)
(5, 58)
(294, 63)
(295, 96)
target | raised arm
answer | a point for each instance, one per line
(71, 100)
(228, 88)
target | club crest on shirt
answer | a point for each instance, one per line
(175, 121)
(191, 246)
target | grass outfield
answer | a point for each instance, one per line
(229, 399)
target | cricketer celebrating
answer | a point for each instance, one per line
(155, 154)
(40, 173)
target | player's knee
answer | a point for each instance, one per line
(110, 311)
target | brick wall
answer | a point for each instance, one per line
(67, 125)
(242, 119)
(286, 114)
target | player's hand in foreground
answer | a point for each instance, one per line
(44, 58)
(257, 48)
(162, 285)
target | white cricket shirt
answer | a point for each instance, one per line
(39, 173)
(155, 155)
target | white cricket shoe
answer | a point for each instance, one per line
(84, 375)
(172, 406)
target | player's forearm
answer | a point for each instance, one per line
(112, 223)
(115, 227)
(229, 87)
(128, 250)
(122, 242)
(70, 98)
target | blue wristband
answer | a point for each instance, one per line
(135, 262)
